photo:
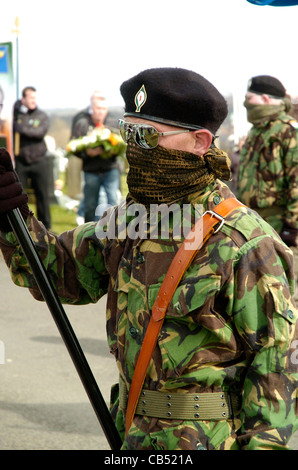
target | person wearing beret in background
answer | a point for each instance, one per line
(268, 166)
(223, 372)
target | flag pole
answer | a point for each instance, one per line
(17, 31)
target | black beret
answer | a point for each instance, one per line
(267, 85)
(176, 97)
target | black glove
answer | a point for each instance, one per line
(11, 192)
(289, 235)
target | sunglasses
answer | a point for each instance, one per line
(144, 136)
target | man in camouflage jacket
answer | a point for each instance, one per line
(268, 166)
(230, 328)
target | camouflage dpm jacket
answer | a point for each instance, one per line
(268, 172)
(230, 326)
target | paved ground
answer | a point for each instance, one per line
(43, 404)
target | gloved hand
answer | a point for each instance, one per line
(289, 235)
(11, 192)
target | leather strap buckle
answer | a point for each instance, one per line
(219, 217)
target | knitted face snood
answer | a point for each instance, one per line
(164, 175)
(257, 114)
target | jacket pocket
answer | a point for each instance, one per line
(191, 294)
(281, 325)
(193, 333)
(282, 302)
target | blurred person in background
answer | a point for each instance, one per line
(98, 172)
(30, 125)
(294, 106)
(5, 125)
(268, 167)
(234, 157)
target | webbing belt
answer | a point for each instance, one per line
(177, 268)
(212, 406)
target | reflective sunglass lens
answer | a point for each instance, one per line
(122, 131)
(139, 140)
(144, 136)
(148, 136)
(125, 131)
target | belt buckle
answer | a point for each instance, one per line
(219, 217)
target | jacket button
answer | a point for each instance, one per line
(140, 258)
(216, 200)
(133, 331)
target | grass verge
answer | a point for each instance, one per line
(62, 219)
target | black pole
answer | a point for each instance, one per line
(51, 298)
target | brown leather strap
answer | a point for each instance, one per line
(196, 238)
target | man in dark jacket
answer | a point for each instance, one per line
(30, 126)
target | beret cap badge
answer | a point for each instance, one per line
(140, 98)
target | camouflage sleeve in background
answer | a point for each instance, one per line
(268, 172)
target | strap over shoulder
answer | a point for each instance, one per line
(209, 223)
